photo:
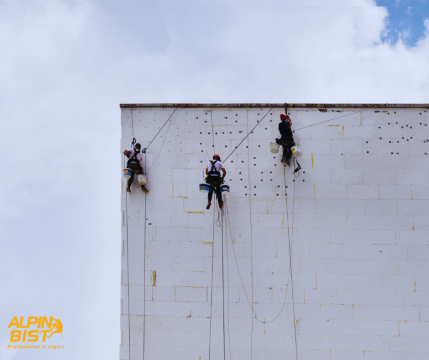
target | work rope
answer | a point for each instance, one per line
(251, 227)
(144, 272)
(144, 260)
(250, 132)
(339, 117)
(128, 275)
(223, 294)
(213, 244)
(241, 279)
(219, 217)
(147, 147)
(290, 243)
(165, 137)
(213, 146)
(227, 273)
(132, 128)
(211, 291)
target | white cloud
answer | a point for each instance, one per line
(65, 68)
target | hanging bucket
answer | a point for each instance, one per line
(296, 151)
(142, 179)
(274, 147)
(204, 187)
(224, 189)
(127, 173)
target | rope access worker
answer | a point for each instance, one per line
(286, 139)
(135, 163)
(214, 179)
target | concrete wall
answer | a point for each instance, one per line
(357, 220)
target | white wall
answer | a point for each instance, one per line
(358, 223)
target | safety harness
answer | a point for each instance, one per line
(133, 159)
(213, 176)
(213, 170)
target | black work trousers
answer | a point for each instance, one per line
(135, 167)
(215, 186)
(286, 144)
(287, 152)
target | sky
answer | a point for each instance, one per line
(67, 65)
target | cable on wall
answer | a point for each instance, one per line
(147, 147)
(290, 243)
(250, 132)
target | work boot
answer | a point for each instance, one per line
(287, 162)
(128, 190)
(208, 205)
(144, 189)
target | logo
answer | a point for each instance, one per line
(34, 329)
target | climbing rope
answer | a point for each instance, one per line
(144, 273)
(213, 243)
(165, 137)
(147, 147)
(250, 132)
(219, 218)
(290, 243)
(251, 227)
(128, 275)
(339, 117)
(213, 146)
(211, 291)
(144, 260)
(223, 294)
(241, 279)
(227, 273)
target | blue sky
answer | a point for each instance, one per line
(406, 19)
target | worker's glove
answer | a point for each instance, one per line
(144, 151)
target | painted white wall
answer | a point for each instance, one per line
(357, 219)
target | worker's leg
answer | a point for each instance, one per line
(143, 187)
(284, 153)
(130, 181)
(219, 195)
(289, 153)
(210, 196)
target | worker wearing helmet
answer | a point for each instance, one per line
(135, 163)
(215, 179)
(286, 140)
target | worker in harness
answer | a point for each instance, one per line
(135, 163)
(286, 139)
(214, 179)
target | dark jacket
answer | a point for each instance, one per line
(286, 131)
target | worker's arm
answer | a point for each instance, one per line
(126, 152)
(224, 173)
(207, 172)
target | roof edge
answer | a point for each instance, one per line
(276, 105)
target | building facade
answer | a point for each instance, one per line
(328, 263)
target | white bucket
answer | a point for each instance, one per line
(224, 189)
(274, 147)
(296, 151)
(204, 187)
(127, 173)
(142, 179)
